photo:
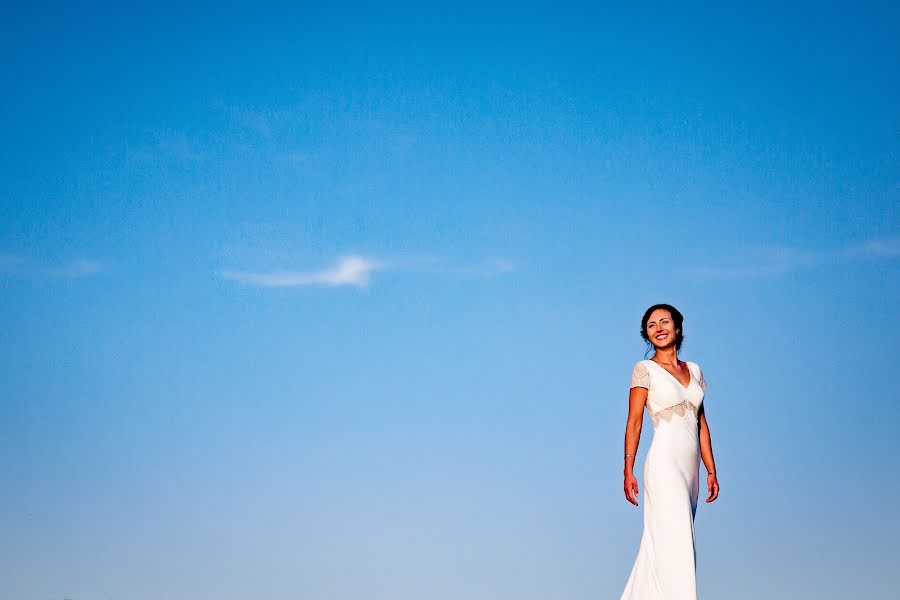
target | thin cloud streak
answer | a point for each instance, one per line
(772, 262)
(355, 270)
(78, 269)
(738, 272)
(878, 248)
(350, 270)
(13, 264)
(10, 262)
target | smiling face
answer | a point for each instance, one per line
(661, 329)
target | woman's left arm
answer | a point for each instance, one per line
(706, 454)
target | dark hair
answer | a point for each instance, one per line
(678, 319)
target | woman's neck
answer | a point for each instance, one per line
(667, 356)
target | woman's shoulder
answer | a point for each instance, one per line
(640, 375)
(693, 363)
(641, 366)
(697, 373)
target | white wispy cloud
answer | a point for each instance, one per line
(77, 269)
(10, 262)
(777, 260)
(886, 248)
(737, 271)
(357, 271)
(350, 270)
(14, 264)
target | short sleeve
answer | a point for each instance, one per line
(701, 380)
(640, 376)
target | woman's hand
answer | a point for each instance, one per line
(631, 488)
(713, 486)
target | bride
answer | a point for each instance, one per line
(673, 391)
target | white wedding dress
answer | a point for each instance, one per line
(665, 567)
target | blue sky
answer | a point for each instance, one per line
(343, 303)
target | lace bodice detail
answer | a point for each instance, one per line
(681, 409)
(640, 377)
(667, 396)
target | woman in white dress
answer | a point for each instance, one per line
(673, 391)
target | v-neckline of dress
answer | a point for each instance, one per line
(666, 371)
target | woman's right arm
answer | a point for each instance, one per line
(637, 398)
